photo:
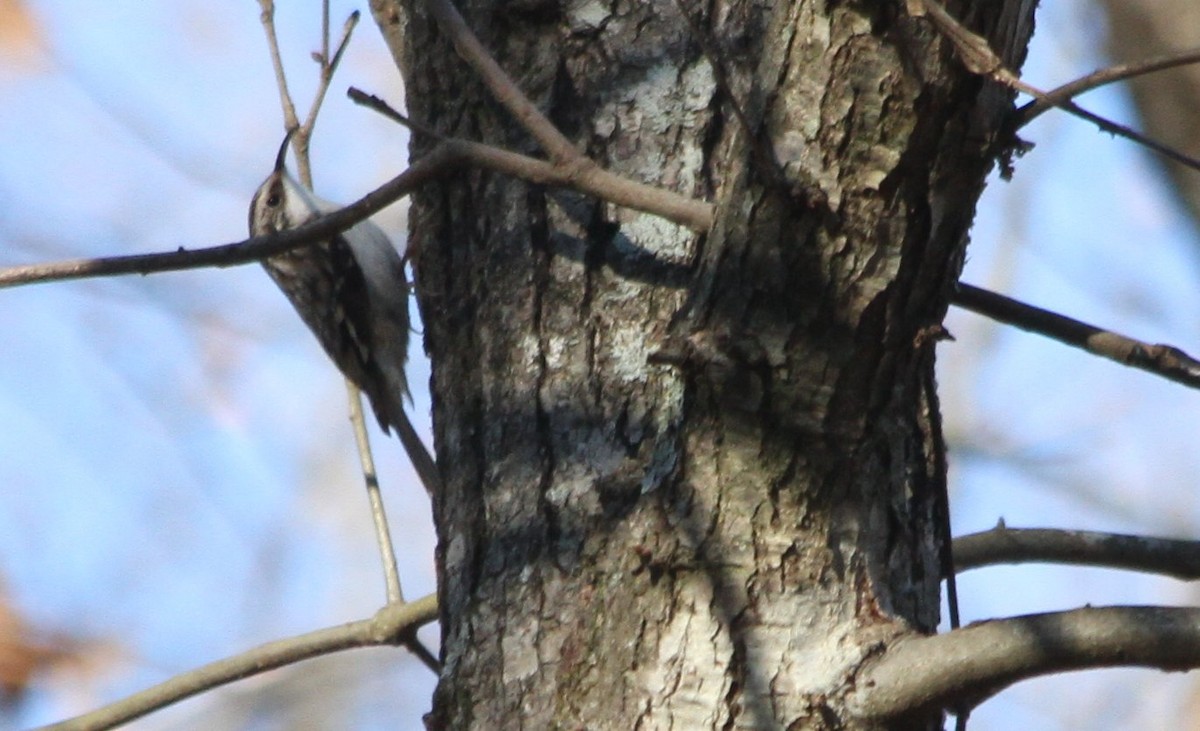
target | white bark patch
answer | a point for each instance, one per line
(588, 16)
(519, 648)
(666, 107)
(687, 683)
(561, 353)
(455, 553)
(697, 86)
(625, 352)
(667, 241)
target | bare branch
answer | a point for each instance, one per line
(325, 32)
(974, 50)
(328, 69)
(302, 135)
(433, 165)
(1161, 360)
(574, 169)
(1096, 79)
(390, 626)
(1002, 545)
(444, 159)
(556, 145)
(968, 665)
(375, 104)
(592, 180)
(1121, 130)
(383, 534)
(975, 53)
(267, 16)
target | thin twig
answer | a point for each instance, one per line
(390, 626)
(375, 104)
(974, 50)
(1121, 130)
(979, 58)
(366, 459)
(1120, 72)
(1161, 360)
(1002, 545)
(503, 88)
(324, 61)
(383, 534)
(285, 100)
(444, 159)
(291, 124)
(328, 68)
(428, 168)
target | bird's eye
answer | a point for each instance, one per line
(273, 200)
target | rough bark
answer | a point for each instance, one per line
(693, 481)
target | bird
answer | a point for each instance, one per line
(352, 292)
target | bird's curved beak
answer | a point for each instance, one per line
(281, 158)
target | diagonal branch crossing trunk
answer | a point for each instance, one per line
(695, 482)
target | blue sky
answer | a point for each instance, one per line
(178, 477)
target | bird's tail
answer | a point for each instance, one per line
(421, 460)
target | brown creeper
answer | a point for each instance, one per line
(350, 290)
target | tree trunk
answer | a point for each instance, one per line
(694, 481)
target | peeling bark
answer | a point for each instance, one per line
(693, 482)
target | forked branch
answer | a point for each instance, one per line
(302, 133)
(419, 455)
(979, 58)
(445, 159)
(591, 180)
(1102, 77)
